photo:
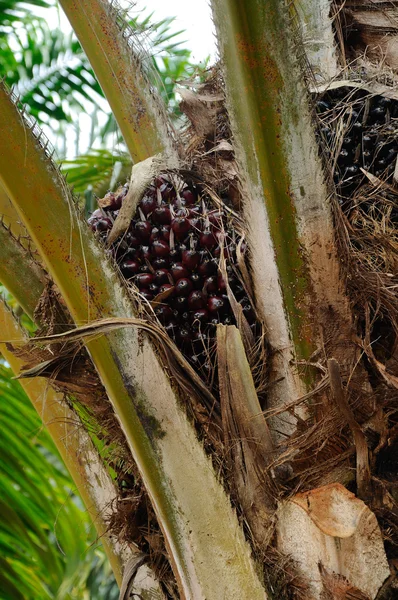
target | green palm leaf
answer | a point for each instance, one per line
(17, 10)
(46, 551)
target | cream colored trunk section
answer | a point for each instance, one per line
(318, 38)
(333, 537)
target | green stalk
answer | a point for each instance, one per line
(208, 552)
(140, 115)
(19, 272)
(290, 230)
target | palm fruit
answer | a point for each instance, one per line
(171, 253)
(368, 139)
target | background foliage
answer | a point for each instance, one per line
(47, 543)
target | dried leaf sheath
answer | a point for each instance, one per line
(246, 435)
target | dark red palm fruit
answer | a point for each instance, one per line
(128, 253)
(215, 218)
(115, 201)
(145, 253)
(103, 224)
(214, 321)
(207, 240)
(196, 300)
(185, 318)
(164, 313)
(160, 248)
(110, 202)
(183, 335)
(199, 318)
(162, 276)
(215, 304)
(194, 359)
(155, 234)
(154, 289)
(207, 267)
(210, 285)
(144, 280)
(221, 283)
(146, 294)
(183, 287)
(148, 204)
(178, 271)
(181, 226)
(196, 224)
(167, 287)
(131, 267)
(145, 268)
(143, 230)
(248, 312)
(168, 192)
(180, 303)
(162, 215)
(97, 214)
(189, 197)
(197, 281)
(132, 240)
(175, 254)
(160, 263)
(171, 326)
(228, 321)
(190, 259)
(165, 233)
(159, 181)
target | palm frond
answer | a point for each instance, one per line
(50, 72)
(47, 551)
(95, 170)
(17, 10)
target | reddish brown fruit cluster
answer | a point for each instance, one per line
(171, 252)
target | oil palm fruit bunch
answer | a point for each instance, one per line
(171, 253)
(367, 140)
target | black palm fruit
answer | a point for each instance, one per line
(368, 140)
(171, 253)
